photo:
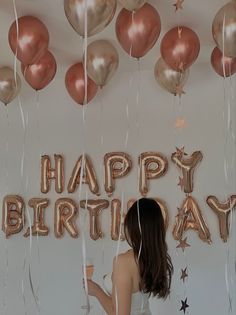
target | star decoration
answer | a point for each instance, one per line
(181, 213)
(184, 305)
(180, 152)
(179, 89)
(183, 274)
(183, 244)
(181, 183)
(178, 5)
(180, 123)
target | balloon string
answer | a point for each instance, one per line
(17, 36)
(85, 44)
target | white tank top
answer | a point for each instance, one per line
(139, 303)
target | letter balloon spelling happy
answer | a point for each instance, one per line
(117, 165)
(48, 173)
(151, 165)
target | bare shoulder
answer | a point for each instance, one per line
(124, 260)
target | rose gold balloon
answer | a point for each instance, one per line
(224, 29)
(117, 221)
(32, 41)
(224, 66)
(180, 48)
(40, 74)
(138, 32)
(75, 84)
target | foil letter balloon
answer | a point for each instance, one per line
(152, 165)
(224, 29)
(65, 214)
(187, 165)
(39, 228)
(95, 208)
(85, 168)
(222, 210)
(12, 214)
(163, 206)
(9, 85)
(190, 217)
(117, 221)
(31, 42)
(99, 15)
(48, 173)
(117, 165)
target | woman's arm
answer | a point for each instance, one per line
(120, 302)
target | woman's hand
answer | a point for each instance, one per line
(93, 288)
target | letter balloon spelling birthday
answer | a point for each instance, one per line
(190, 217)
(222, 210)
(95, 208)
(117, 165)
(187, 166)
(12, 215)
(151, 165)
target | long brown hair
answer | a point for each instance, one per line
(145, 232)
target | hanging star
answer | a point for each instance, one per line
(178, 5)
(179, 89)
(181, 183)
(183, 274)
(180, 152)
(180, 123)
(184, 305)
(183, 244)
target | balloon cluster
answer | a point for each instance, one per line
(101, 58)
(29, 39)
(223, 57)
(179, 49)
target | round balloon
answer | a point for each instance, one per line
(169, 79)
(99, 15)
(224, 29)
(102, 61)
(75, 84)
(132, 5)
(9, 85)
(180, 48)
(223, 65)
(138, 32)
(31, 42)
(40, 74)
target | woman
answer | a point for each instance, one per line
(144, 270)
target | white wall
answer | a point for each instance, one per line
(56, 264)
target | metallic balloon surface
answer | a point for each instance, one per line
(138, 32)
(132, 5)
(75, 84)
(169, 79)
(223, 65)
(99, 14)
(102, 61)
(224, 29)
(9, 87)
(180, 48)
(41, 73)
(32, 41)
